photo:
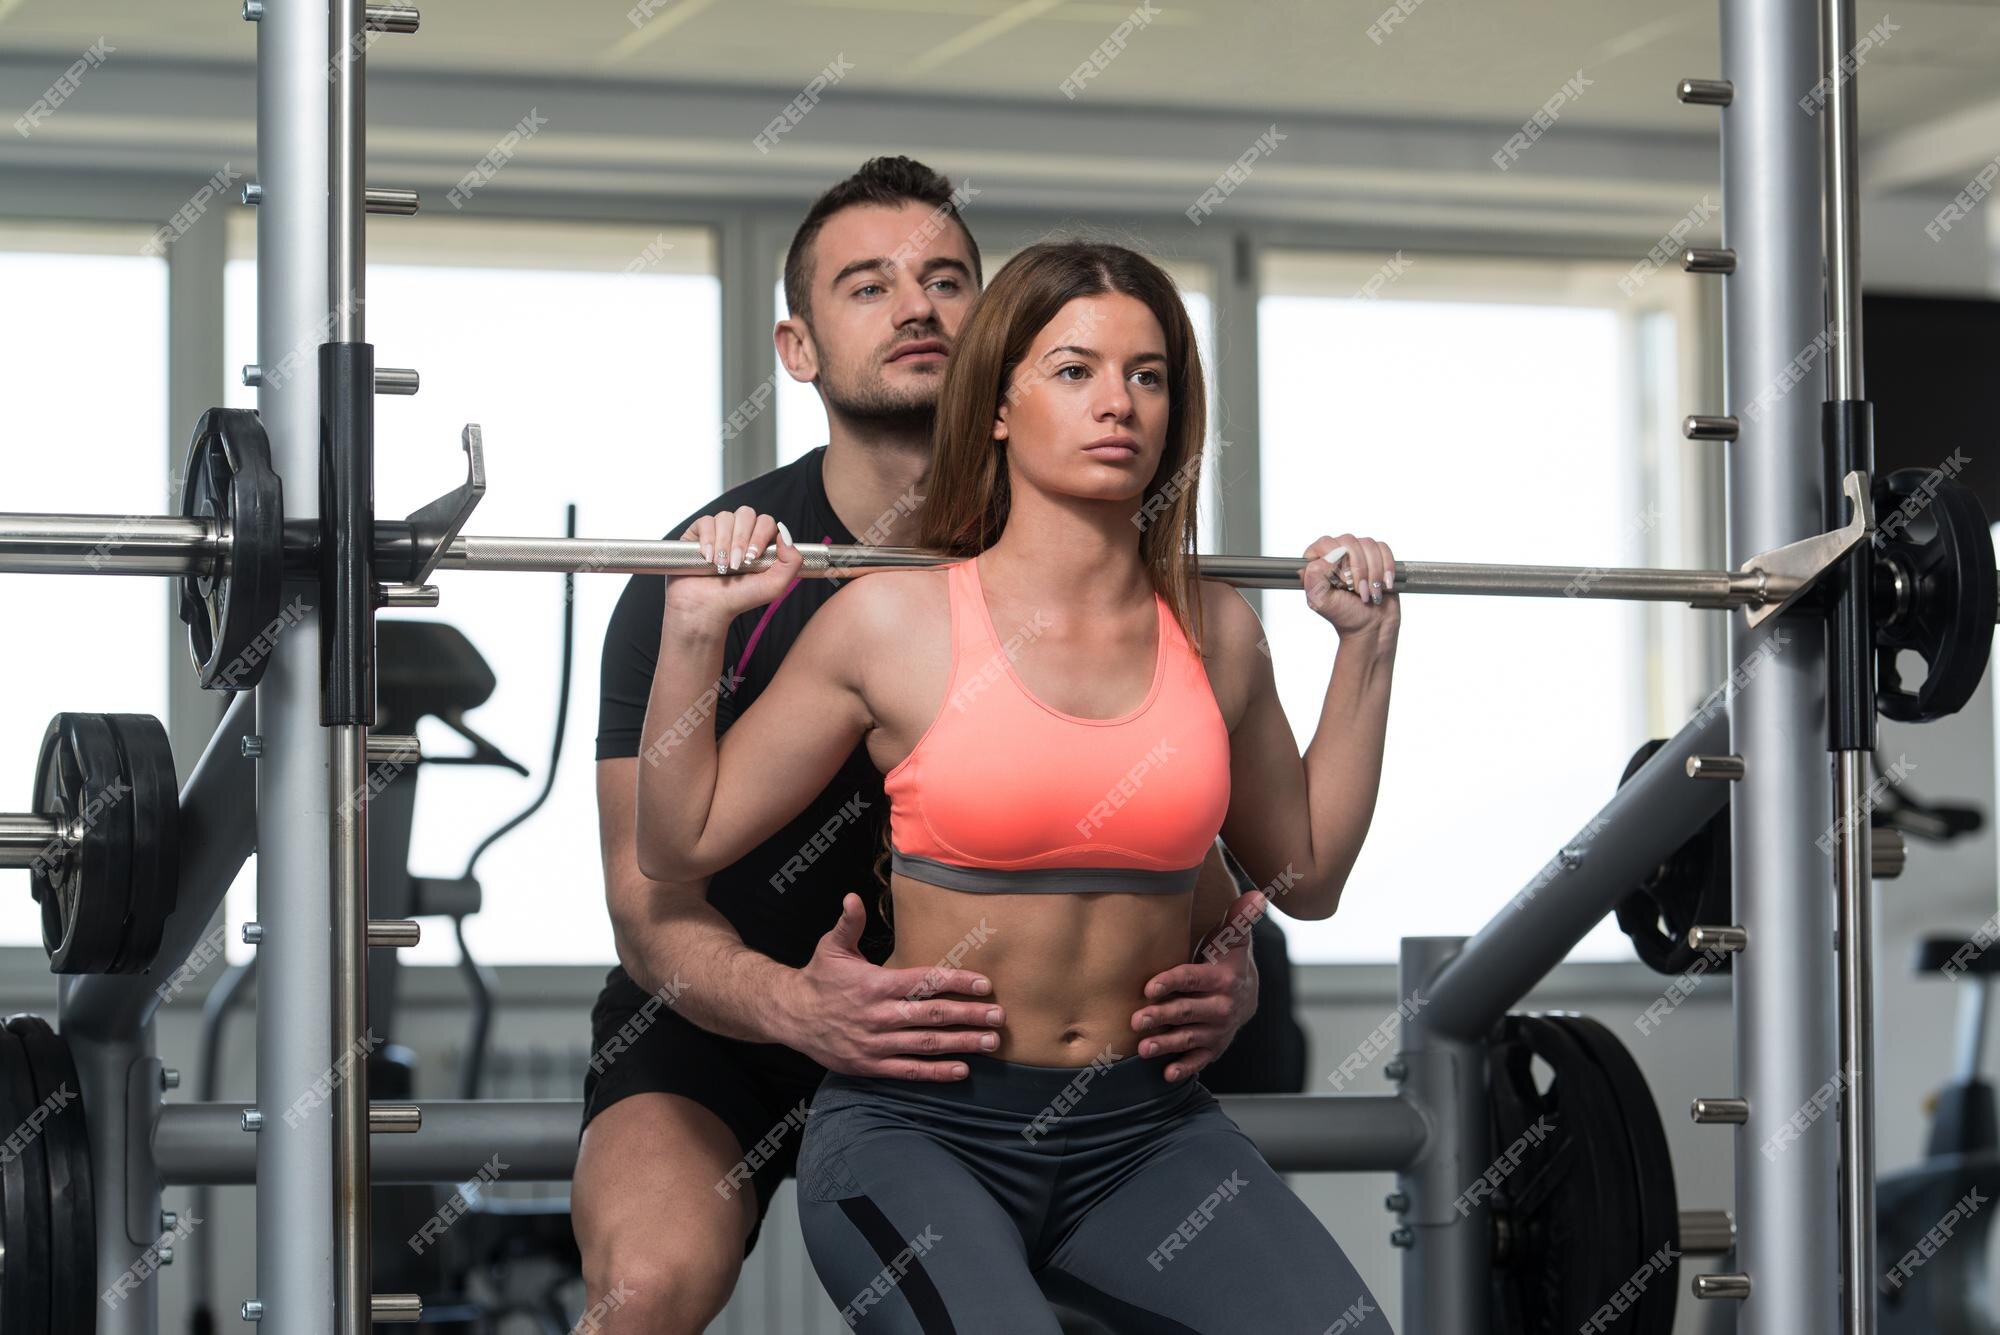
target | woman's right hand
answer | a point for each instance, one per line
(729, 538)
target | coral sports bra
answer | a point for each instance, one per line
(1004, 795)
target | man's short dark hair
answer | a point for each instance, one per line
(883, 183)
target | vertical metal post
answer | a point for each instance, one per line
(1784, 984)
(1848, 436)
(295, 1263)
(348, 700)
(1448, 1267)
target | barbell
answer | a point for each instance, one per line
(1934, 581)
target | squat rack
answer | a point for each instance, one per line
(312, 1172)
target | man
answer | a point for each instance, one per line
(734, 997)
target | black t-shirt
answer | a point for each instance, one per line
(784, 894)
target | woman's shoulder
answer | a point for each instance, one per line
(1229, 624)
(887, 602)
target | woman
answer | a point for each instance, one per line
(1069, 718)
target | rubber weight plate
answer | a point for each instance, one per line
(85, 893)
(1935, 532)
(1658, 1218)
(1690, 888)
(65, 1141)
(229, 481)
(24, 1197)
(147, 759)
(1565, 1205)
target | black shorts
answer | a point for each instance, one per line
(761, 1091)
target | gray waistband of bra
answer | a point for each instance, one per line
(1043, 880)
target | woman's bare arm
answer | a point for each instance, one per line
(700, 806)
(1296, 822)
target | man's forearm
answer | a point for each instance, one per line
(694, 959)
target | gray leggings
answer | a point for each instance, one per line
(961, 1209)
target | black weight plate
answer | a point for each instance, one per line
(1566, 1209)
(229, 481)
(1659, 1211)
(148, 761)
(1690, 888)
(1946, 549)
(66, 1145)
(83, 894)
(24, 1197)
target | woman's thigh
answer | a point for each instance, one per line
(1200, 1236)
(906, 1239)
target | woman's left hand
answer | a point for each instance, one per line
(1352, 583)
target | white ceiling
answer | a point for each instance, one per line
(1458, 60)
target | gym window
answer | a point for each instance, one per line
(590, 356)
(1493, 411)
(86, 310)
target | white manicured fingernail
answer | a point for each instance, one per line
(785, 534)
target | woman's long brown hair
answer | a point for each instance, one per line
(965, 507)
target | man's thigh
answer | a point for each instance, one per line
(645, 1206)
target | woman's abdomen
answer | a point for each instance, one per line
(1068, 969)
